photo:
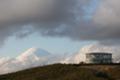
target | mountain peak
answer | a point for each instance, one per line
(33, 52)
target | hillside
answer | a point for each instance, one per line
(67, 72)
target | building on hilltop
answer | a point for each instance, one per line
(99, 58)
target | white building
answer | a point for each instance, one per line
(98, 57)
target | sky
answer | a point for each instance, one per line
(58, 26)
(14, 47)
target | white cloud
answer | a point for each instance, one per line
(80, 56)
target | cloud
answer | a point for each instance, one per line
(107, 19)
(103, 26)
(80, 55)
(74, 19)
(48, 17)
(16, 15)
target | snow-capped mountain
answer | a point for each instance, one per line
(31, 58)
(33, 54)
(34, 57)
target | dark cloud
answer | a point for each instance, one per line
(43, 15)
(107, 18)
(16, 15)
(61, 18)
(104, 26)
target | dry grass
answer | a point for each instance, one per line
(67, 72)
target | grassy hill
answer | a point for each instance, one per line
(67, 72)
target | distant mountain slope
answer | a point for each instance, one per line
(67, 72)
